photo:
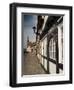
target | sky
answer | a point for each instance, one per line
(28, 21)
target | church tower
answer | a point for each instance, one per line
(27, 41)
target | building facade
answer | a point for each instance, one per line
(50, 43)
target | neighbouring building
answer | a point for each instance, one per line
(28, 45)
(50, 43)
(31, 46)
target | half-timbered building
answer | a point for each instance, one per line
(50, 43)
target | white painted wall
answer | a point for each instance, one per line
(4, 44)
(52, 68)
(60, 45)
(45, 19)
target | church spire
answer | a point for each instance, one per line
(27, 40)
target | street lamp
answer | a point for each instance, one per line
(34, 29)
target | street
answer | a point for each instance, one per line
(31, 65)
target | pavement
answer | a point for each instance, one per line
(31, 65)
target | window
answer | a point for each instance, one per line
(52, 49)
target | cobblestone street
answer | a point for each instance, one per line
(31, 65)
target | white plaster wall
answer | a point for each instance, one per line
(52, 68)
(45, 64)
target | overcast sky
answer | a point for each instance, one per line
(28, 21)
